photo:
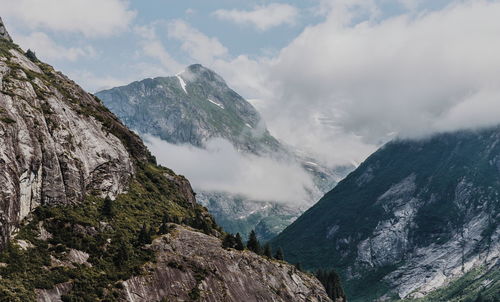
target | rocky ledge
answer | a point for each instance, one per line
(193, 266)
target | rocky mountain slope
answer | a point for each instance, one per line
(197, 105)
(82, 200)
(55, 141)
(191, 107)
(197, 261)
(416, 216)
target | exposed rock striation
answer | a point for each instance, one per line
(53, 150)
(204, 271)
(414, 217)
(54, 294)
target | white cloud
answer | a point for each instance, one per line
(413, 75)
(245, 75)
(263, 17)
(49, 50)
(200, 47)
(344, 11)
(153, 47)
(221, 168)
(94, 83)
(89, 17)
(477, 110)
(345, 86)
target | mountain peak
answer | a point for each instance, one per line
(3, 32)
(198, 72)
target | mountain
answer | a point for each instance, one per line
(191, 107)
(87, 215)
(197, 105)
(416, 216)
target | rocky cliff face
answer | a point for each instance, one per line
(81, 199)
(203, 270)
(197, 105)
(52, 149)
(414, 217)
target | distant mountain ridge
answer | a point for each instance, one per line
(197, 105)
(416, 216)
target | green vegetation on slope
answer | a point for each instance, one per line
(112, 233)
(113, 242)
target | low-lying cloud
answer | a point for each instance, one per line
(372, 79)
(405, 74)
(221, 168)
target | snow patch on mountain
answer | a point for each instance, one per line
(181, 81)
(216, 103)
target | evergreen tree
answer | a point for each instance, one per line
(163, 229)
(253, 243)
(122, 254)
(151, 233)
(331, 282)
(268, 251)
(239, 243)
(31, 55)
(279, 254)
(479, 298)
(108, 208)
(298, 266)
(144, 236)
(229, 241)
(166, 218)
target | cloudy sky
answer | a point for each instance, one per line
(334, 77)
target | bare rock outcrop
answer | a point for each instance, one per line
(54, 294)
(53, 148)
(193, 266)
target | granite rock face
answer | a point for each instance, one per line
(51, 150)
(203, 270)
(54, 294)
